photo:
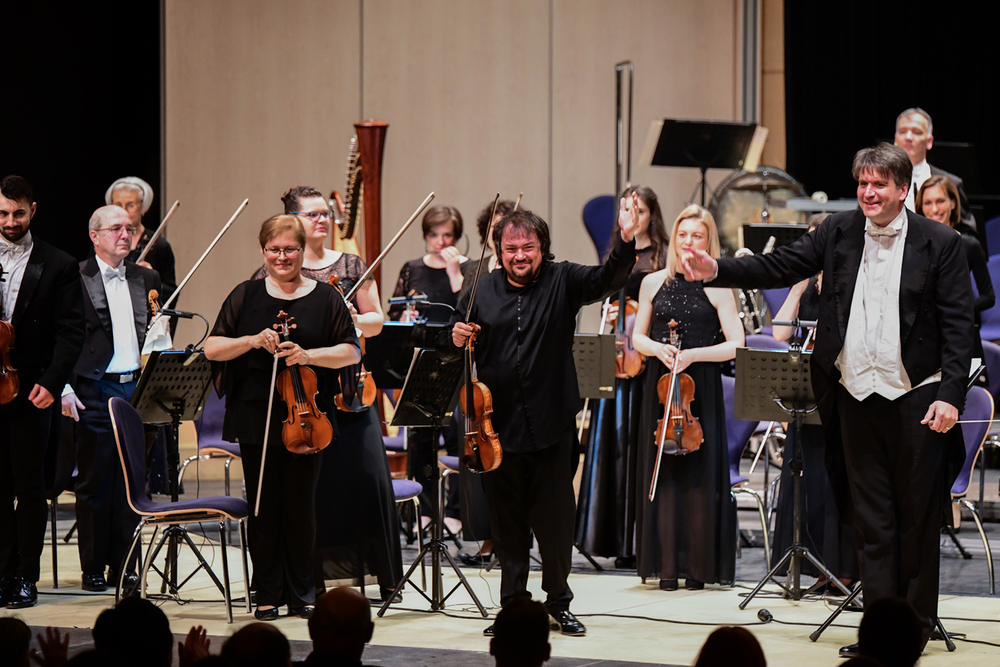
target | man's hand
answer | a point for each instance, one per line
(628, 221)
(941, 416)
(699, 265)
(461, 332)
(41, 397)
(70, 405)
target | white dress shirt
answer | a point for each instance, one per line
(13, 258)
(921, 172)
(122, 318)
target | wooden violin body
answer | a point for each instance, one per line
(482, 445)
(629, 362)
(9, 383)
(307, 429)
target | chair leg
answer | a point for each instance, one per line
(55, 541)
(225, 569)
(739, 542)
(136, 538)
(420, 543)
(986, 542)
(180, 473)
(763, 522)
(243, 552)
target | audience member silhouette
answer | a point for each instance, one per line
(257, 645)
(521, 634)
(730, 645)
(15, 638)
(340, 627)
(890, 633)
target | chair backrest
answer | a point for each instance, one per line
(599, 217)
(765, 342)
(991, 352)
(775, 298)
(208, 425)
(738, 431)
(978, 410)
(990, 329)
(992, 229)
(131, 441)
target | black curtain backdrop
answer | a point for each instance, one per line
(852, 66)
(81, 85)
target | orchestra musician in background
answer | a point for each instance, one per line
(356, 473)
(40, 298)
(282, 536)
(689, 529)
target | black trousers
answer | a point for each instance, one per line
(105, 521)
(24, 435)
(896, 471)
(282, 537)
(533, 491)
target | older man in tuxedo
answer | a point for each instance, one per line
(40, 297)
(890, 367)
(115, 302)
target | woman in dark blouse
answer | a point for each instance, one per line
(282, 536)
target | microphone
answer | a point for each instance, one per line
(413, 298)
(178, 313)
(764, 616)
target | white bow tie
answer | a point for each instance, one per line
(12, 250)
(876, 231)
(113, 273)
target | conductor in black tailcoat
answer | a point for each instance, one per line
(40, 297)
(115, 300)
(890, 368)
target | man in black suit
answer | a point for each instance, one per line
(890, 367)
(915, 135)
(115, 305)
(40, 297)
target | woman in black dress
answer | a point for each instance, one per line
(438, 274)
(689, 529)
(605, 516)
(357, 525)
(282, 536)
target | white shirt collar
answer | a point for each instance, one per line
(24, 242)
(897, 222)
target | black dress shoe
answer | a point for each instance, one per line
(668, 584)
(305, 611)
(625, 563)
(693, 584)
(95, 583)
(130, 584)
(22, 594)
(488, 632)
(850, 651)
(566, 623)
(266, 614)
(479, 560)
(386, 593)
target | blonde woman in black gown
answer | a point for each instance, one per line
(688, 531)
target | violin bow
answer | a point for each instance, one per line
(159, 230)
(267, 432)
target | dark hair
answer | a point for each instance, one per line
(257, 645)
(277, 225)
(521, 630)
(949, 188)
(15, 638)
(504, 206)
(438, 215)
(885, 159)
(292, 196)
(658, 237)
(527, 221)
(730, 645)
(16, 188)
(134, 627)
(890, 633)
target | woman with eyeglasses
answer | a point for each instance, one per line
(357, 526)
(282, 536)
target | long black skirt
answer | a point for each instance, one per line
(689, 530)
(605, 512)
(357, 526)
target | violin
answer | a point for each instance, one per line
(154, 303)
(678, 431)
(9, 383)
(628, 361)
(357, 387)
(307, 429)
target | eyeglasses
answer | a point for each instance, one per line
(286, 252)
(315, 216)
(116, 230)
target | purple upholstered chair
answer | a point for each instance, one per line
(975, 426)
(210, 443)
(738, 432)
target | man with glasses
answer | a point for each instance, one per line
(40, 297)
(115, 301)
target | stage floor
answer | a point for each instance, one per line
(627, 621)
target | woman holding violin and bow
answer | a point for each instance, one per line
(605, 518)
(687, 530)
(318, 336)
(356, 473)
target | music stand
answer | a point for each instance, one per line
(594, 358)
(770, 386)
(755, 235)
(430, 393)
(390, 354)
(170, 390)
(700, 144)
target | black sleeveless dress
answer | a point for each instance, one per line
(689, 530)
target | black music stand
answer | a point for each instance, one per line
(770, 386)
(594, 358)
(430, 393)
(390, 354)
(170, 390)
(701, 144)
(755, 235)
